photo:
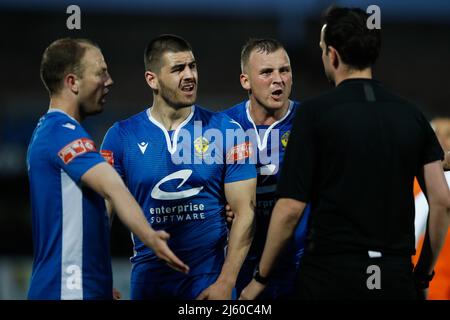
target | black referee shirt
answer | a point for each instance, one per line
(353, 154)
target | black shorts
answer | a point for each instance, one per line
(355, 276)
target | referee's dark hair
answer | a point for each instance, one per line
(61, 57)
(347, 32)
(160, 45)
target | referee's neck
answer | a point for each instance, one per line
(353, 74)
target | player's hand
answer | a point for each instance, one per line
(252, 290)
(217, 291)
(446, 163)
(229, 214)
(116, 294)
(159, 246)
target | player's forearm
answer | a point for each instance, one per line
(104, 180)
(240, 239)
(446, 162)
(110, 212)
(283, 222)
(130, 213)
(436, 233)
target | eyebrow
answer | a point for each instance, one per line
(266, 69)
(102, 69)
(181, 65)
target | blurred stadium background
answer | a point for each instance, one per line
(415, 62)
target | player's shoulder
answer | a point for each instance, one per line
(236, 111)
(56, 117)
(130, 123)
(57, 130)
(219, 120)
(134, 119)
(58, 124)
(207, 116)
(238, 114)
(295, 106)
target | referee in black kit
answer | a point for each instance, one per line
(353, 154)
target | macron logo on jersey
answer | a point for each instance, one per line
(143, 146)
(159, 194)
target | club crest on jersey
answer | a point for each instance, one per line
(285, 139)
(201, 146)
(75, 149)
(108, 156)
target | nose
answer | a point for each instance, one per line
(277, 77)
(188, 73)
(109, 82)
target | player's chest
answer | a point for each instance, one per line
(270, 147)
(191, 161)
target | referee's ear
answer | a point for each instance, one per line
(335, 58)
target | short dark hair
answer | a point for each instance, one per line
(347, 32)
(61, 57)
(259, 45)
(160, 45)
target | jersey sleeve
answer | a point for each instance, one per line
(237, 152)
(432, 149)
(297, 172)
(112, 148)
(72, 149)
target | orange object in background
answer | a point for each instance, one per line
(440, 285)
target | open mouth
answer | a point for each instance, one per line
(103, 99)
(188, 87)
(277, 93)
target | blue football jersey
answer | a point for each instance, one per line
(70, 224)
(178, 179)
(271, 142)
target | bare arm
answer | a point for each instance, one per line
(285, 216)
(446, 162)
(110, 211)
(103, 179)
(439, 217)
(241, 197)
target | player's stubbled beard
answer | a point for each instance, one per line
(175, 97)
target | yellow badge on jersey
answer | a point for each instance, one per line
(201, 145)
(285, 139)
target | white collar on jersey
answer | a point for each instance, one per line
(171, 146)
(263, 144)
(51, 110)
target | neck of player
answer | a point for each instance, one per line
(63, 104)
(170, 117)
(264, 116)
